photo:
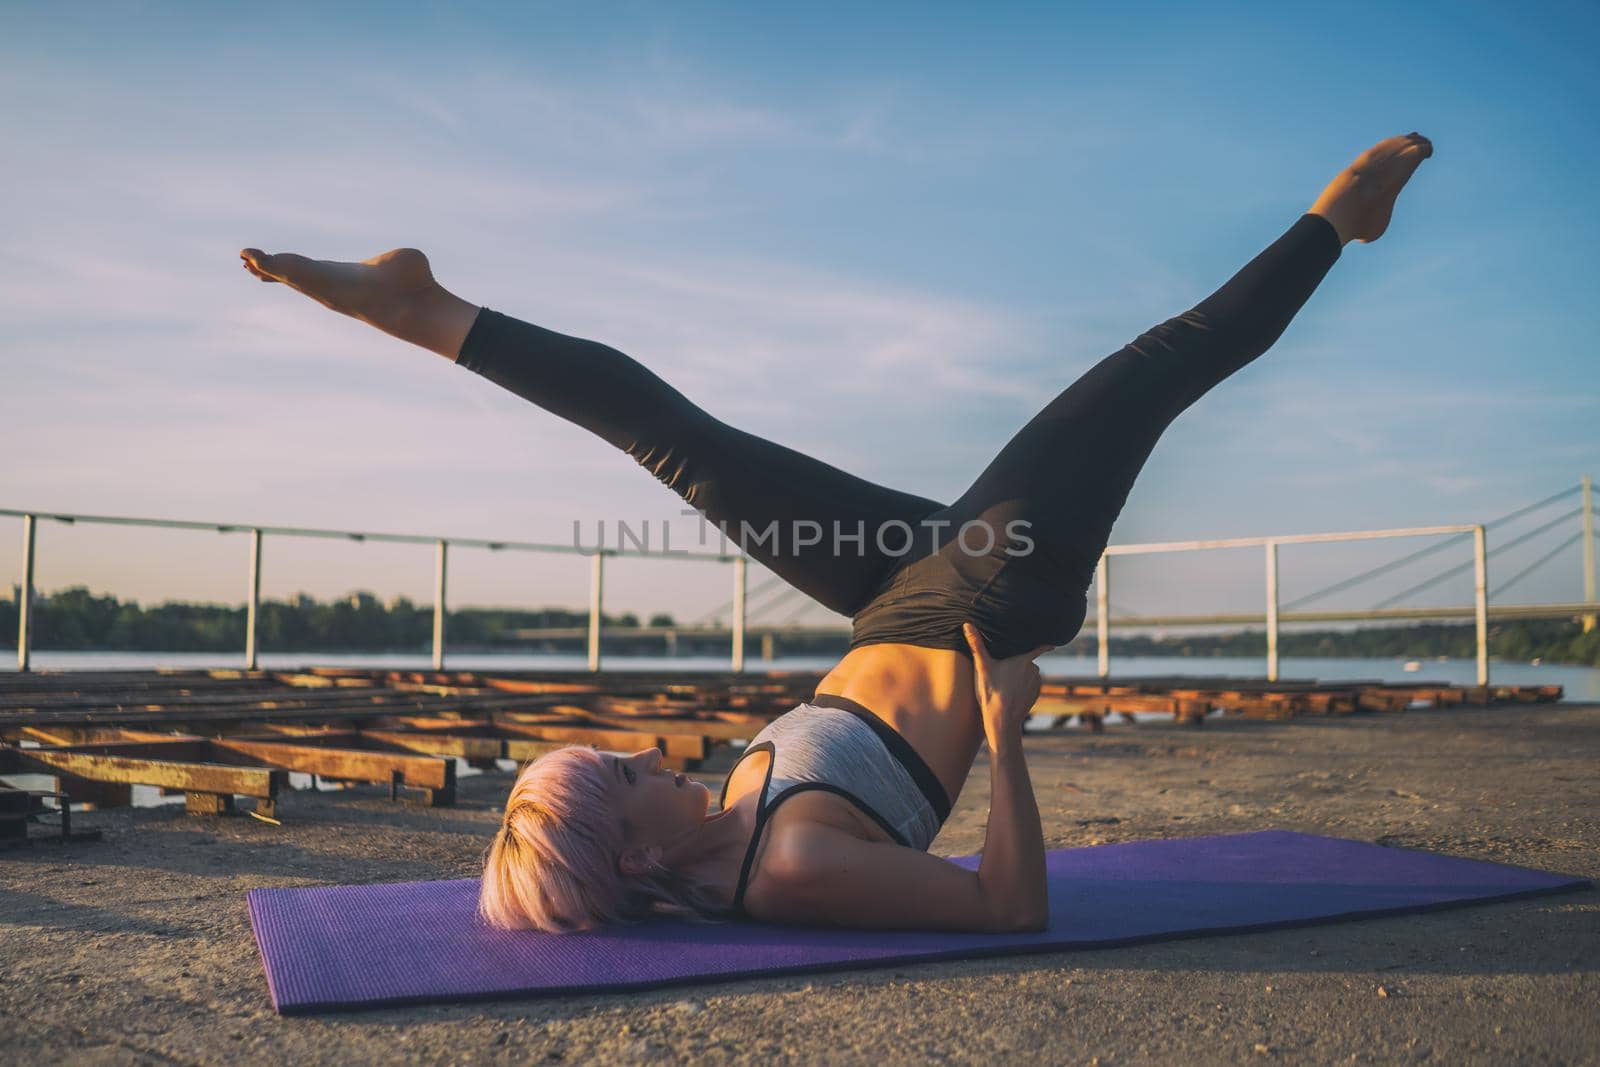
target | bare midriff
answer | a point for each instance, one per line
(924, 693)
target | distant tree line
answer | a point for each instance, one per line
(76, 619)
(1549, 640)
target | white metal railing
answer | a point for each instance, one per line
(30, 532)
(1480, 597)
(1588, 608)
(1588, 549)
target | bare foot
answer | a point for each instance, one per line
(1360, 200)
(362, 290)
(394, 291)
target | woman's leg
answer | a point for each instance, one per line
(1042, 511)
(812, 524)
(1018, 550)
(1070, 469)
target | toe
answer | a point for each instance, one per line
(256, 262)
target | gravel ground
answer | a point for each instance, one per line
(138, 949)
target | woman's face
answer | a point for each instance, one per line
(657, 805)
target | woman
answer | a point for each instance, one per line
(827, 817)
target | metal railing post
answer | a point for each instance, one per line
(439, 605)
(1480, 559)
(1588, 549)
(738, 613)
(253, 609)
(596, 598)
(30, 529)
(1272, 611)
(1102, 600)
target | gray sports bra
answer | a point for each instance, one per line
(836, 745)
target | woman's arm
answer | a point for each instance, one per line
(820, 875)
(1012, 869)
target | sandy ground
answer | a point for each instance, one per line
(138, 949)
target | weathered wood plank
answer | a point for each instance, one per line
(470, 746)
(177, 774)
(351, 764)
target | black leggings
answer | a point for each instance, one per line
(1015, 554)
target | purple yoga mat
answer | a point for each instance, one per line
(362, 946)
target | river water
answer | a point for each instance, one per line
(1581, 683)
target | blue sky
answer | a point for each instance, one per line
(883, 234)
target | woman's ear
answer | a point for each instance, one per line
(636, 861)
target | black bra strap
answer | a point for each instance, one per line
(761, 817)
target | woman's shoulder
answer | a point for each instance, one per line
(803, 839)
(798, 834)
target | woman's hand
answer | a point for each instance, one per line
(1006, 688)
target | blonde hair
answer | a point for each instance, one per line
(553, 865)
